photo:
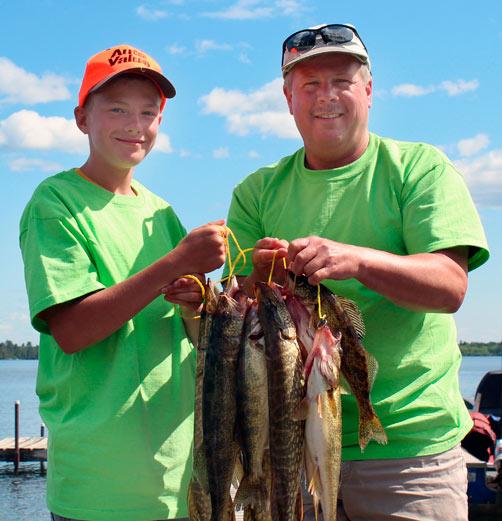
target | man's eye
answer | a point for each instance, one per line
(149, 113)
(117, 110)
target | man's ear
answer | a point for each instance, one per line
(369, 92)
(287, 93)
(81, 119)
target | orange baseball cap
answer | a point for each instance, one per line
(123, 58)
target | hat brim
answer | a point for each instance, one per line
(363, 58)
(165, 86)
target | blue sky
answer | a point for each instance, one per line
(437, 70)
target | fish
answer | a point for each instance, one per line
(253, 514)
(199, 499)
(252, 415)
(286, 389)
(219, 398)
(323, 426)
(358, 367)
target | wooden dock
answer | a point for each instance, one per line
(22, 449)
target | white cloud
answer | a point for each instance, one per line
(221, 153)
(410, 90)
(175, 49)
(203, 46)
(151, 15)
(452, 88)
(20, 86)
(484, 177)
(184, 153)
(253, 154)
(471, 146)
(163, 143)
(24, 164)
(27, 129)
(243, 10)
(244, 58)
(264, 110)
(290, 7)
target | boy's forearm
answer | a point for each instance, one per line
(81, 323)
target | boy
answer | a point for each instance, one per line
(116, 371)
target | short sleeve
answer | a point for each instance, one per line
(244, 221)
(57, 264)
(438, 211)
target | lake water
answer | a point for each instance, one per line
(22, 496)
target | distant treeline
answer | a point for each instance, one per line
(11, 351)
(481, 349)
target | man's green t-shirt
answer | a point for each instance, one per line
(404, 198)
(119, 413)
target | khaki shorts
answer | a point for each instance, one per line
(426, 488)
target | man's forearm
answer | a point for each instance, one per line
(422, 282)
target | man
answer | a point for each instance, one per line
(392, 226)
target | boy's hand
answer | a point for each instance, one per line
(185, 292)
(263, 255)
(203, 249)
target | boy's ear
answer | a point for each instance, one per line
(81, 119)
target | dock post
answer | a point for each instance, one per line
(17, 455)
(42, 434)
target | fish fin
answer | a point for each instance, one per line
(319, 405)
(372, 364)
(302, 410)
(299, 505)
(371, 430)
(354, 313)
(252, 494)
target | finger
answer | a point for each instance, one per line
(271, 243)
(302, 258)
(295, 247)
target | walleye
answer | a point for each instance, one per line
(199, 500)
(285, 391)
(219, 398)
(252, 415)
(357, 365)
(323, 426)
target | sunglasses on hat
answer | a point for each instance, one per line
(306, 39)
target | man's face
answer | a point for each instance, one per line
(329, 96)
(122, 121)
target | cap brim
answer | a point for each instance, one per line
(324, 50)
(165, 86)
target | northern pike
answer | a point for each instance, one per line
(357, 366)
(323, 426)
(252, 415)
(219, 398)
(285, 392)
(199, 500)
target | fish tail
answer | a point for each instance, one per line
(252, 493)
(371, 429)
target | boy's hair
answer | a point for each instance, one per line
(107, 64)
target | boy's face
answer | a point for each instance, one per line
(122, 121)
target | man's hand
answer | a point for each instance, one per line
(263, 255)
(320, 259)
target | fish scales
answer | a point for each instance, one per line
(286, 390)
(199, 500)
(357, 366)
(219, 402)
(252, 414)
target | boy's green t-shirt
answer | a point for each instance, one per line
(119, 413)
(404, 198)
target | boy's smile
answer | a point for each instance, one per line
(121, 120)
